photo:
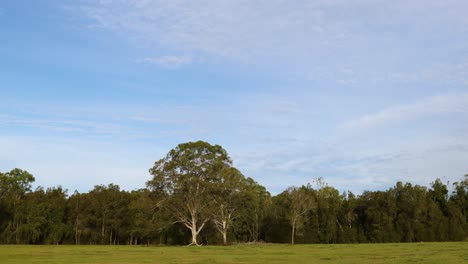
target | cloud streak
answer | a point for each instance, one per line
(427, 107)
(375, 150)
(358, 92)
(168, 62)
(240, 29)
(60, 125)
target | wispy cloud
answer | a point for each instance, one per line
(347, 42)
(60, 124)
(442, 104)
(169, 62)
(267, 138)
(361, 92)
(242, 29)
(446, 74)
(358, 157)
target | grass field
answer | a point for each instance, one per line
(355, 253)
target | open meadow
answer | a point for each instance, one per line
(446, 253)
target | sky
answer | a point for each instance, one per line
(361, 93)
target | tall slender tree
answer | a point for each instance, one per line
(231, 195)
(300, 202)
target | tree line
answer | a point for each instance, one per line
(196, 196)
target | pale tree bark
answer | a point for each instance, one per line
(296, 215)
(294, 220)
(222, 227)
(225, 238)
(293, 232)
(223, 220)
(301, 203)
(193, 223)
(196, 230)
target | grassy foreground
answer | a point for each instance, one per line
(355, 253)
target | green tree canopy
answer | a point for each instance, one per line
(187, 181)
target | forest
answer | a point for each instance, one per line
(196, 196)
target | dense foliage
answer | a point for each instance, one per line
(196, 193)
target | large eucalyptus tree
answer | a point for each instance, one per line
(187, 181)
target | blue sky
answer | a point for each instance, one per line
(361, 93)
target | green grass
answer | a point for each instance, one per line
(356, 253)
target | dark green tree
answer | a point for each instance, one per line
(14, 185)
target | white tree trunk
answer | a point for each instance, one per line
(293, 231)
(222, 221)
(194, 235)
(225, 238)
(192, 224)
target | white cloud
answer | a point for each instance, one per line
(169, 62)
(351, 165)
(447, 74)
(267, 136)
(58, 124)
(246, 29)
(360, 157)
(441, 104)
(281, 140)
(416, 142)
(348, 42)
